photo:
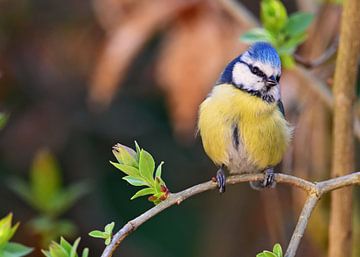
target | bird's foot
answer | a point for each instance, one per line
(268, 182)
(269, 178)
(221, 180)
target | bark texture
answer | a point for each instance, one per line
(343, 148)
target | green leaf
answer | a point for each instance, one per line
(15, 250)
(46, 253)
(125, 155)
(109, 228)
(97, 234)
(142, 192)
(108, 241)
(138, 150)
(65, 244)
(129, 170)
(260, 255)
(6, 229)
(45, 179)
(278, 250)
(298, 23)
(146, 166)
(3, 119)
(256, 35)
(273, 15)
(85, 252)
(57, 251)
(159, 170)
(268, 254)
(135, 181)
(74, 248)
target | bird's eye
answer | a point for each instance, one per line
(255, 70)
(277, 78)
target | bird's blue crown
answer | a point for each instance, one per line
(260, 51)
(265, 53)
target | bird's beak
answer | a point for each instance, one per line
(271, 83)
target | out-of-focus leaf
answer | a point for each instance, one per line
(45, 180)
(68, 196)
(22, 189)
(256, 35)
(15, 250)
(273, 15)
(290, 46)
(287, 61)
(277, 250)
(3, 119)
(50, 229)
(142, 192)
(134, 181)
(298, 23)
(146, 166)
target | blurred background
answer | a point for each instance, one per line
(78, 77)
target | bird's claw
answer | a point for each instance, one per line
(221, 180)
(269, 178)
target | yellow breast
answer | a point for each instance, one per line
(263, 131)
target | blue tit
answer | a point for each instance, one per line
(242, 122)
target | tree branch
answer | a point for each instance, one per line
(314, 190)
(326, 56)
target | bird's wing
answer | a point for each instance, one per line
(281, 107)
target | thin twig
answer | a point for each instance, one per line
(314, 190)
(301, 225)
(326, 56)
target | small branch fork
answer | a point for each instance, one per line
(314, 191)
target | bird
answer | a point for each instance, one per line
(242, 121)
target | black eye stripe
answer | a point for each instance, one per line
(255, 70)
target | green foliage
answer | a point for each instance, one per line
(3, 120)
(10, 249)
(46, 194)
(139, 167)
(284, 32)
(106, 234)
(276, 252)
(65, 249)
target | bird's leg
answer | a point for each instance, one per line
(268, 182)
(221, 179)
(269, 178)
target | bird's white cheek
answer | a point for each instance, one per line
(242, 76)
